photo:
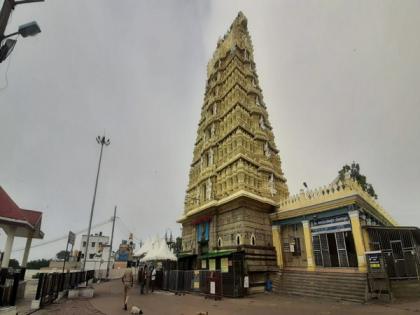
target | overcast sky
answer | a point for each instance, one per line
(340, 80)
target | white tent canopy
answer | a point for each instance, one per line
(155, 249)
(147, 246)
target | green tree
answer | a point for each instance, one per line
(62, 254)
(13, 263)
(38, 264)
(353, 171)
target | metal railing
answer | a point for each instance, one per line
(9, 283)
(205, 282)
(50, 284)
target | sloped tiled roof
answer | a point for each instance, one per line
(33, 217)
(10, 210)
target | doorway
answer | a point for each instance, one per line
(334, 249)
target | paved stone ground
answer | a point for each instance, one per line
(108, 301)
(70, 307)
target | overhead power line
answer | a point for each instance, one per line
(64, 236)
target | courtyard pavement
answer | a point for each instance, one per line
(108, 300)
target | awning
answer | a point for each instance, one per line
(221, 253)
(181, 256)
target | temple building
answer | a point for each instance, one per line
(235, 178)
(239, 218)
(321, 238)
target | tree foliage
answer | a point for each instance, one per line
(13, 263)
(62, 254)
(38, 264)
(353, 171)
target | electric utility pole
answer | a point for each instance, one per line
(112, 239)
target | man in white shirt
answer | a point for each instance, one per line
(153, 278)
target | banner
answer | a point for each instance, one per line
(224, 264)
(212, 264)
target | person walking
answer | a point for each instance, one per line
(127, 281)
(147, 278)
(153, 278)
(141, 279)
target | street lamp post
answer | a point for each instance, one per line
(102, 141)
(29, 29)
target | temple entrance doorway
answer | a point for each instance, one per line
(334, 249)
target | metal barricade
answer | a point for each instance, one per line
(50, 284)
(9, 283)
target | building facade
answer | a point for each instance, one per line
(97, 253)
(322, 237)
(235, 179)
(324, 227)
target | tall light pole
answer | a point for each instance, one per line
(102, 141)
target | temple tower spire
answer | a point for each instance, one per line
(234, 149)
(235, 178)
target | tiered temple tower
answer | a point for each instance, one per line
(235, 180)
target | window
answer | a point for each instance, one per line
(84, 244)
(238, 239)
(93, 244)
(82, 255)
(219, 242)
(91, 256)
(253, 240)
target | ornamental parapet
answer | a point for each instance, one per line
(334, 191)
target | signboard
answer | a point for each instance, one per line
(196, 279)
(203, 264)
(212, 287)
(72, 238)
(224, 264)
(212, 264)
(292, 248)
(331, 225)
(246, 282)
(375, 261)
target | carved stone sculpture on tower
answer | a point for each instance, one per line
(262, 123)
(271, 185)
(208, 189)
(211, 157)
(267, 151)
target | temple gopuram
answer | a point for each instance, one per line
(240, 220)
(235, 179)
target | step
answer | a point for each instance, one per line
(322, 281)
(335, 291)
(328, 296)
(325, 275)
(323, 288)
(347, 291)
(325, 280)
